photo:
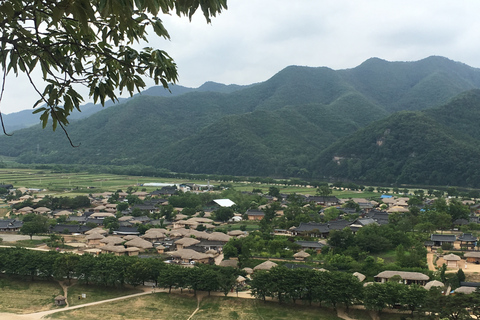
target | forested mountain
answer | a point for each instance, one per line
(437, 146)
(23, 119)
(293, 124)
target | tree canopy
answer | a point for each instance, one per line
(89, 43)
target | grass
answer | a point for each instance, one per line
(20, 296)
(157, 306)
(231, 308)
(172, 306)
(29, 243)
(95, 293)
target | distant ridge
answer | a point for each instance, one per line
(386, 122)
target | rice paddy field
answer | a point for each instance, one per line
(72, 184)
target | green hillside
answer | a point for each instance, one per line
(434, 147)
(290, 125)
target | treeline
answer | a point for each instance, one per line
(110, 270)
(340, 288)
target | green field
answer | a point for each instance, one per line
(72, 184)
(75, 183)
(19, 296)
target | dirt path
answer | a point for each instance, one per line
(219, 259)
(200, 297)
(342, 314)
(40, 315)
(64, 286)
(431, 266)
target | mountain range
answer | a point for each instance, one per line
(380, 122)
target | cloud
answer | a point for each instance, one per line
(253, 40)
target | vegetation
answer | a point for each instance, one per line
(292, 125)
(93, 46)
(19, 296)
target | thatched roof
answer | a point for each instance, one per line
(198, 220)
(360, 276)
(58, 298)
(451, 257)
(267, 265)
(93, 250)
(97, 230)
(405, 275)
(301, 254)
(42, 210)
(218, 236)
(248, 270)
(132, 249)
(161, 230)
(94, 236)
(229, 263)
(116, 249)
(130, 237)
(235, 233)
(139, 243)
(102, 215)
(465, 290)
(62, 213)
(433, 283)
(472, 254)
(153, 235)
(189, 254)
(240, 279)
(187, 242)
(180, 217)
(112, 240)
(125, 218)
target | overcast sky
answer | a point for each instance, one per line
(254, 39)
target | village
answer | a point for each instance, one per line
(145, 224)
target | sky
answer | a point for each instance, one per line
(254, 39)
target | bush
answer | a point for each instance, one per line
(447, 246)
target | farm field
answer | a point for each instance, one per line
(73, 184)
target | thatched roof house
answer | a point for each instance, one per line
(97, 230)
(60, 301)
(189, 255)
(472, 256)
(452, 260)
(229, 263)
(139, 243)
(236, 233)
(267, 265)
(465, 290)
(359, 276)
(153, 236)
(116, 250)
(407, 277)
(185, 242)
(434, 283)
(130, 237)
(218, 236)
(301, 255)
(111, 240)
(248, 270)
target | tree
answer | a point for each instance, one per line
(38, 224)
(331, 213)
(324, 191)
(88, 43)
(274, 192)
(223, 214)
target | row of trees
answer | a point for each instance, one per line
(339, 288)
(110, 270)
